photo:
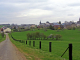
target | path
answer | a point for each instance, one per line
(9, 52)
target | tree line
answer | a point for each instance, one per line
(42, 36)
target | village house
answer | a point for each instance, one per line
(78, 23)
(33, 26)
(7, 30)
(44, 25)
(70, 24)
(56, 25)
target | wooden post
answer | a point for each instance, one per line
(30, 43)
(26, 41)
(33, 43)
(40, 45)
(49, 46)
(70, 51)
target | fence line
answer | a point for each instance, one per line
(70, 51)
(50, 50)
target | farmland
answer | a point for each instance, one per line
(58, 46)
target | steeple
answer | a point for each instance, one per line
(40, 22)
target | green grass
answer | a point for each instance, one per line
(1, 26)
(2, 39)
(32, 53)
(59, 46)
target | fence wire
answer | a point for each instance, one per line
(65, 52)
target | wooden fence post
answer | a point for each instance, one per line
(40, 45)
(49, 46)
(26, 41)
(70, 51)
(33, 43)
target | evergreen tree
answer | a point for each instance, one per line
(59, 22)
(51, 27)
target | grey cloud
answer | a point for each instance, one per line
(23, 1)
(48, 8)
(74, 4)
(70, 14)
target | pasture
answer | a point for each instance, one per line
(58, 46)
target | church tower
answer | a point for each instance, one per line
(40, 22)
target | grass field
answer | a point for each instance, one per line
(1, 26)
(33, 53)
(59, 46)
(2, 39)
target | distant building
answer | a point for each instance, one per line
(40, 22)
(7, 30)
(44, 25)
(78, 22)
(56, 25)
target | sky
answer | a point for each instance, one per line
(34, 11)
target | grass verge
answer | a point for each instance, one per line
(2, 39)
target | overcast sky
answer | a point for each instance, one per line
(32, 11)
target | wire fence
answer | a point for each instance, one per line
(50, 46)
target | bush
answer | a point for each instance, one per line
(51, 27)
(51, 36)
(44, 36)
(74, 28)
(58, 36)
(69, 28)
(41, 36)
(15, 30)
(28, 36)
(37, 34)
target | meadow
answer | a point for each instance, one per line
(2, 38)
(58, 46)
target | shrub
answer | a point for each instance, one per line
(37, 34)
(69, 28)
(41, 35)
(52, 36)
(74, 28)
(58, 36)
(28, 35)
(51, 27)
(33, 36)
(44, 36)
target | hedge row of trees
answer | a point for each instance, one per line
(41, 36)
